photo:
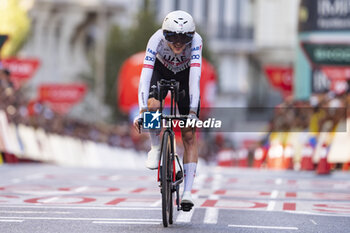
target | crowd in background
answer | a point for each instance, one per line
(321, 113)
(39, 115)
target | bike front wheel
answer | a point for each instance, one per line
(166, 180)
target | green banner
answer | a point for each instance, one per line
(327, 54)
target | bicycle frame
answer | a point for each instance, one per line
(173, 87)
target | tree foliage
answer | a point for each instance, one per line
(122, 43)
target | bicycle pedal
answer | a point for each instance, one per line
(186, 206)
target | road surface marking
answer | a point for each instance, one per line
(80, 207)
(80, 189)
(82, 219)
(184, 216)
(33, 212)
(278, 181)
(214, 197)
(157, 203)
(264, 227)
(139, 190)
(289, 206)
(10, 220)
(274, 194)
(318, 214)
(313, 221)
(136, 223)
(211, 216)
(272, 204)
(50, 200)
(291, 194)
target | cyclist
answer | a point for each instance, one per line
(174, 52)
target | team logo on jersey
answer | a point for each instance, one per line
(196, 48)
(196, 56)
(149, 58)
(151, 51)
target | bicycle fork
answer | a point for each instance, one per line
(177, 178)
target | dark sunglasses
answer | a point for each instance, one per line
(174, 37)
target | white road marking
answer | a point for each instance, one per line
(211, 216)
(272, 204)
(318, 214)
(313, 221)
(184, 216)
(10, 220)
(217, 181)
(264, 227)
(134, 223)
(82, 219)
(80, 189)
(33, 212)
(278, 181)
(214, 197)
(157, 203)
(79, 207)
(274, 194)
(50, 200)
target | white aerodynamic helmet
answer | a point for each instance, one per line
(177, 23)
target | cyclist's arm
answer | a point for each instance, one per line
(147, 70)
(195, 73)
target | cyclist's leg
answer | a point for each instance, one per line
(190, 165)
(159, 72)
(189, 141)
(153, 105)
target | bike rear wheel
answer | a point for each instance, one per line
(166, 180)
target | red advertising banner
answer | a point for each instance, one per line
(339, 77)
(280, 77)
(21, 69)
(336, 72)
(62, 97)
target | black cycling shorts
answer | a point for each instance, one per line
(161, 72)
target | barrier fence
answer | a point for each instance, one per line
(295, 150)
(23, 143)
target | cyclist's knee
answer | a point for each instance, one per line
(188, 136)
(153, 104)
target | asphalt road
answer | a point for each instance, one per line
(39, 198)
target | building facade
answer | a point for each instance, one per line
(243, 35)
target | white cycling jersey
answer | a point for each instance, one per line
(191, 56)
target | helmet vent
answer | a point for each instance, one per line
(175, 21)
(185, 22)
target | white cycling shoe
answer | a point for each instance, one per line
(153, 158)
(186, 201)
